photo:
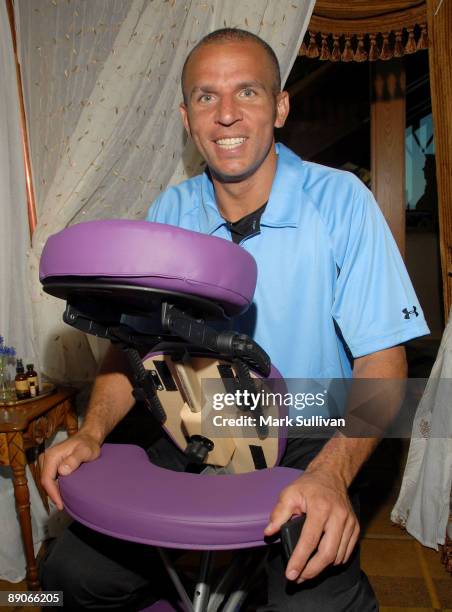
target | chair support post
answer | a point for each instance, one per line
(202, 590)
(254, 567)
(224, 585)
(176, 580)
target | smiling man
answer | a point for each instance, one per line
(308, 227)
(232, 103)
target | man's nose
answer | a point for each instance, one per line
(228, 111)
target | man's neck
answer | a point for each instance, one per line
(236, 200)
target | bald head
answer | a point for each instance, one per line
(226, 35)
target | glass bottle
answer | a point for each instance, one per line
(21, 382)
(32, 377)
(5, 385)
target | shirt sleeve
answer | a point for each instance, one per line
(156, 211)
(174, 206)
(374, 305)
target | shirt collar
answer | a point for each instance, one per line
(280, 211)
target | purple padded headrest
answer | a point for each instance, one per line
(154, 255)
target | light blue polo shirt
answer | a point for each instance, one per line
(330, 277)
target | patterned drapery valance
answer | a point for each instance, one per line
(361, 31)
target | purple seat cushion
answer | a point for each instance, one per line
(123, 495)
(154, 255)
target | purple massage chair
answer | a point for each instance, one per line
(166, 296)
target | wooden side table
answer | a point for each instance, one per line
(23, 432)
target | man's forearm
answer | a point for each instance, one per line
(344, 455)
(110, 400)
(111, 397)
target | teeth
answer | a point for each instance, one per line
(229, 143)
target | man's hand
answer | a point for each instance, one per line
(320, 492)
(111, 399)
(64, 458)
(331, 525)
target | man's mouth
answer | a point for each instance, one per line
(230, 143)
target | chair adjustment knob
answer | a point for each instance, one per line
(198, 448)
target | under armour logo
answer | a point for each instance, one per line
(407, 312)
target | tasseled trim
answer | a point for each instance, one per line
(386, 52)
(313, 50)
(336, 52)
(347, 53)
(325, 50)
(360, 53)
(422, 43)
(398, 46)
(373, 51)
(410, 46)
(364, 46)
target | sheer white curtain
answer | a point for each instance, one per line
(101, 83)
(15, 307)
(424, 501)
(15, 310)
(101, 86)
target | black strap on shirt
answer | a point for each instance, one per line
(246, 226)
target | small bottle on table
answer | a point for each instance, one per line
(32, 378)
(21, 382)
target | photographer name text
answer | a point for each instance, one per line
(270, 421)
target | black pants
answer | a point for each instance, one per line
(97, 572)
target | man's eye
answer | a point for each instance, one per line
(247, 93)
(205, 98)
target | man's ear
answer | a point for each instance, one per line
(184, 114)
(282, 108)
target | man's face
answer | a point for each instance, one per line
(231, 108)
